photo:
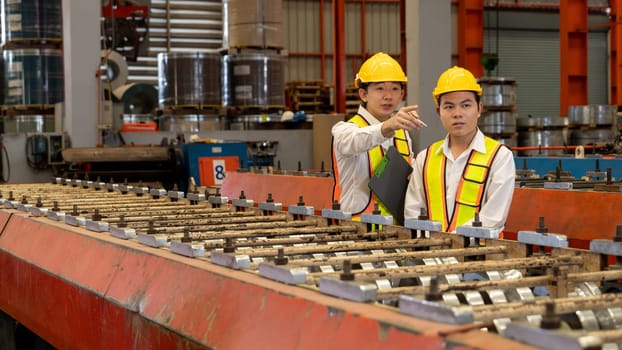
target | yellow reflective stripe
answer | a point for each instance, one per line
(374, 157)
(434, 184)
(401, 144)
(475, 173)
(473, 183)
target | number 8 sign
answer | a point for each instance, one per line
(213, 170)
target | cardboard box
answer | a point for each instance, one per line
(322, 138)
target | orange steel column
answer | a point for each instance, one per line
(471, 35)
(339, 57)
(573, 53)
(616, 55)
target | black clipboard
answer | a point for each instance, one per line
(390, 181)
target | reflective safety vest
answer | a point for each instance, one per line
(374, 157)
(470, 191)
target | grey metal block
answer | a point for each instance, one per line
(188, 249)
(10, 204)
(543, 239)
(349, 290)
(551, 339)
(301, 210)
(231, 260)
(75, 220)
(435, 311)
(478, 232)
(270, 206)
(243, 203)
(283, 273)
(604, 246)
(36, 211)
(197, 197)
(155, 241)
(125, 188)
(336, 214)
(218, 200)
(377, 219)
(112, 187)
(558, 185)
(176, 194)
(56, 215)
(122, 232)
(158, 192)
(76, 182)
(97, 226)
(23, 207)
(425, 225)
(140, 190)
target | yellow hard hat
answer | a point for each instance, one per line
(379, 68)
(455, 79)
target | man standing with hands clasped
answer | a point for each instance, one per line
(360, 143)
(467, 172)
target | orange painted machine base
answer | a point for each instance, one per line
(79, 289)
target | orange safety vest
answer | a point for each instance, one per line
(470, 190)
(374, 157)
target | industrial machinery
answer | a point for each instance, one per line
(125, 27)
(170, 164)
(121, 266)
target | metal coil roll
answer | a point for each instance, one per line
(498, 91)
(591, 115)
(257, 79)
(32, 20)
(28, 123)
(33, 76)
(592, 136)
(191, 123)
(137, 98)
(542, 132)
(498, 122)
(592, 124)
(189, 79)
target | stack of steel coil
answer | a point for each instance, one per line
(32, 74)
(498, 120)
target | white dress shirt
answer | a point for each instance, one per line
(499, 186)
(350, 144)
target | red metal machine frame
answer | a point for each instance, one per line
(471, 35)
(616, 51)
(79, 289)
(573, 54)
(113, 9)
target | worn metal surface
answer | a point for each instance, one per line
(79, 290)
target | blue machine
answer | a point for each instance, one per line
(194, 151)
(577, 167)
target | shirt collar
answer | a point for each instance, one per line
(363, 112)
(477, 144)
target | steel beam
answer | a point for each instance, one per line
(573, 54)
(471, 35)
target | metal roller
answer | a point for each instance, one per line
(498, 122)
(498, 91)
(592, 115)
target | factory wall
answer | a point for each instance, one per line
(377, 29)
(527, 44)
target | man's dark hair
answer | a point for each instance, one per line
(477, 97)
